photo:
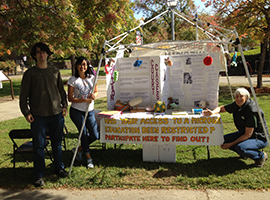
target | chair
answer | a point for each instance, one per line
(27, 147)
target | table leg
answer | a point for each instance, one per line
(208, 152)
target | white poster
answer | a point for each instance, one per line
(188, 80)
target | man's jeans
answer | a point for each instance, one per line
(91, 125)
(248, 148)
(40, 125)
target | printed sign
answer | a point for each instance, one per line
(184, 130)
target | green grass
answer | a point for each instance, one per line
(123, 167)
(6, 90)
(255, 51)
(67, 72)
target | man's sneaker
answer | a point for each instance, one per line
(39, 182)
(78, 155)
(62, 173)
(260, 162)
(90, 163)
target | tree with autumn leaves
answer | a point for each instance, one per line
(23, 23)
(249, 17)
(161, 28)
(66, 25)
(104, 20)
(70, 25)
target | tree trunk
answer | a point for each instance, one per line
(97, 56)
(268, 54)
(262, 61)
(72, 59)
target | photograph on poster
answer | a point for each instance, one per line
(188, 61)
(187, 78)
(197, 104)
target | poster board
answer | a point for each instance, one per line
(191, 81)
(147, 81)
(188, 80)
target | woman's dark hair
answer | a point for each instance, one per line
(43, 47)
(89, 69)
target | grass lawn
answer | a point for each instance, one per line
(123, 167)
(67, 72)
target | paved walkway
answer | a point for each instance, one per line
(10, 110)
(113, 194)
(243, 80)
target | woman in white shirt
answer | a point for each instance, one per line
(79, 88)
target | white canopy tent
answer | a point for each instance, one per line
(217, 38)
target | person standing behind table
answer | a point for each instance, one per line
(79, 88)
(25, 60)
(250, 137)
(43, 103)
(22, 65)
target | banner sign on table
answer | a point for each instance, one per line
(167, 129)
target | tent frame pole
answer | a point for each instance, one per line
(251, 87)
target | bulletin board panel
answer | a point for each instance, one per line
(188, 80)
(147, 81)
(191, 81)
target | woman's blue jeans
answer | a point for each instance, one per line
(40, 127)
(92, 135)
(248, 148)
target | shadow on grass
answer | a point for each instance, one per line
(124, 158)
(130, 159)
(204, 168)
(29, 194)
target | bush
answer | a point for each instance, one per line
(8, 66)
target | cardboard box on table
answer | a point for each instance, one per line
(188, 80)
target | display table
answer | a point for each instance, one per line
(159, 134)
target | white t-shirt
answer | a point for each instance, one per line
(82, 88)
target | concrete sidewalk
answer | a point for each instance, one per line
(113, 194)
(243, 80)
